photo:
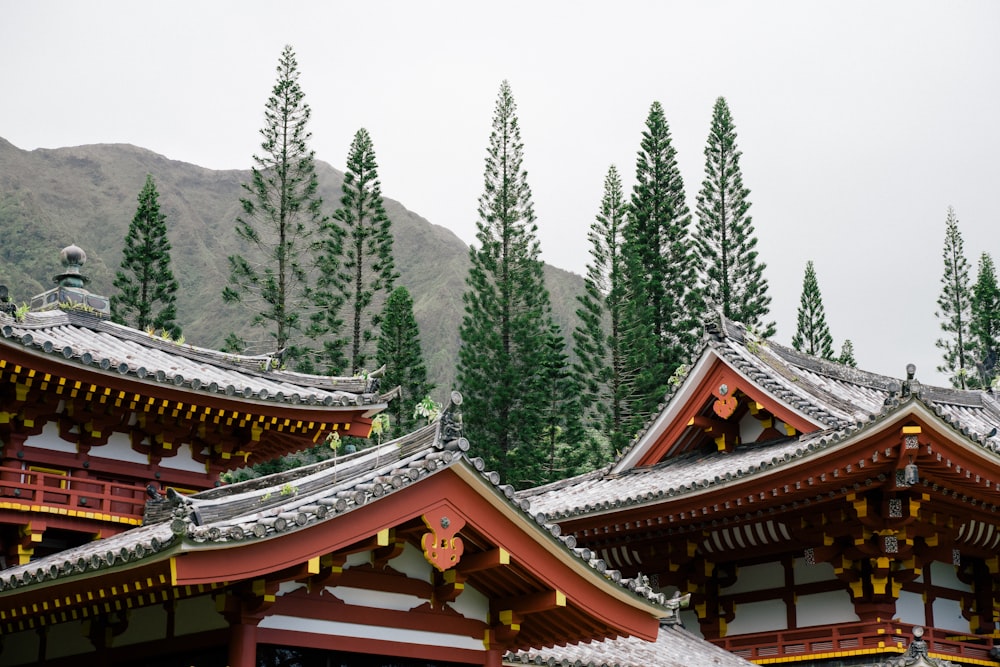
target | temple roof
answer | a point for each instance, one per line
(281, 506)
(674, 647)
(78, 339)
(843, 403)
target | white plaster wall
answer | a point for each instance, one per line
(20, 648)
(412, 563)
(948, 616)
(356, 630)
(145, 624)
(66, 639)
(759, 617)
(756, 578)
(119, 448)
(808, 574)
(750, 428)
(182, 460)
(197, 615)
(946, 576)
(910, 608)
(472, 604)
(49, 439)
(824, 608)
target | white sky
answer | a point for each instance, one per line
(859, 122)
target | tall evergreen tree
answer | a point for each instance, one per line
(399, 349)
(603, 378)
(985, 323)
(147, 290)
(731, 275)
(812, 335)
(279, 224)
(507, 314)
(847, 354)
(369, 269)
(664, 311)
(955, 307)
(564, 439)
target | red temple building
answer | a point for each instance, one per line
(120, 546)
(816, 514)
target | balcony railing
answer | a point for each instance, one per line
(853, 639)
(61, 493)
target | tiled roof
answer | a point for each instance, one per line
(824, 390)
(83, 339)
(674, 647)
(261, 508)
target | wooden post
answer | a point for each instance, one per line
(494, 658)
(243, 645)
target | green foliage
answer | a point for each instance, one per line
(985, 324)
(847, 354)
(812, 335)
(427, 409)
(730, 273)
(663, 308)
(399, 349)
(368, 268)
(602, 375)
(147, 290)
(507, 314)
(564, 433)
(955, 307)
(279, 225)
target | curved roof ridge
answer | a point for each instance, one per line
(92, 342)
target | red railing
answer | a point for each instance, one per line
(108, 501)
(857, 638)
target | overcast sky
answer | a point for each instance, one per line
(859, 122)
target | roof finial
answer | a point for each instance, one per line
(910, 385)
(69, 290)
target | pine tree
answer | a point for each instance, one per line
(663, 315)
(985, 323)
(564, 440)
(603, 380)
(279, 225)
(812, 335)
(731, 275)
(399, 349)
(847, 354)
(368, 270)
(955, 307)
(507, 314)
(146, 285)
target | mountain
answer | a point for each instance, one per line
(50, 198)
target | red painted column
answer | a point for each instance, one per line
(494, 658)
(243, 645)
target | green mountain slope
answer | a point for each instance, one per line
(87, 195)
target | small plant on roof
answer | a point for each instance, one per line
(333, 440)
(288, 489)
(21, 312)
(679, 375)
(380, 424)
(427, 408)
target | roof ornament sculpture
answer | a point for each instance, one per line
(69, 291)
(6, 305)
(451, 420)
(911, 386)
(916, 654)
(674, 606)
(713, 323)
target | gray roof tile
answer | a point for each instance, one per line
(89, 341)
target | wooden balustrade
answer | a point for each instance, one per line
(851, 638)
(63, 491)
